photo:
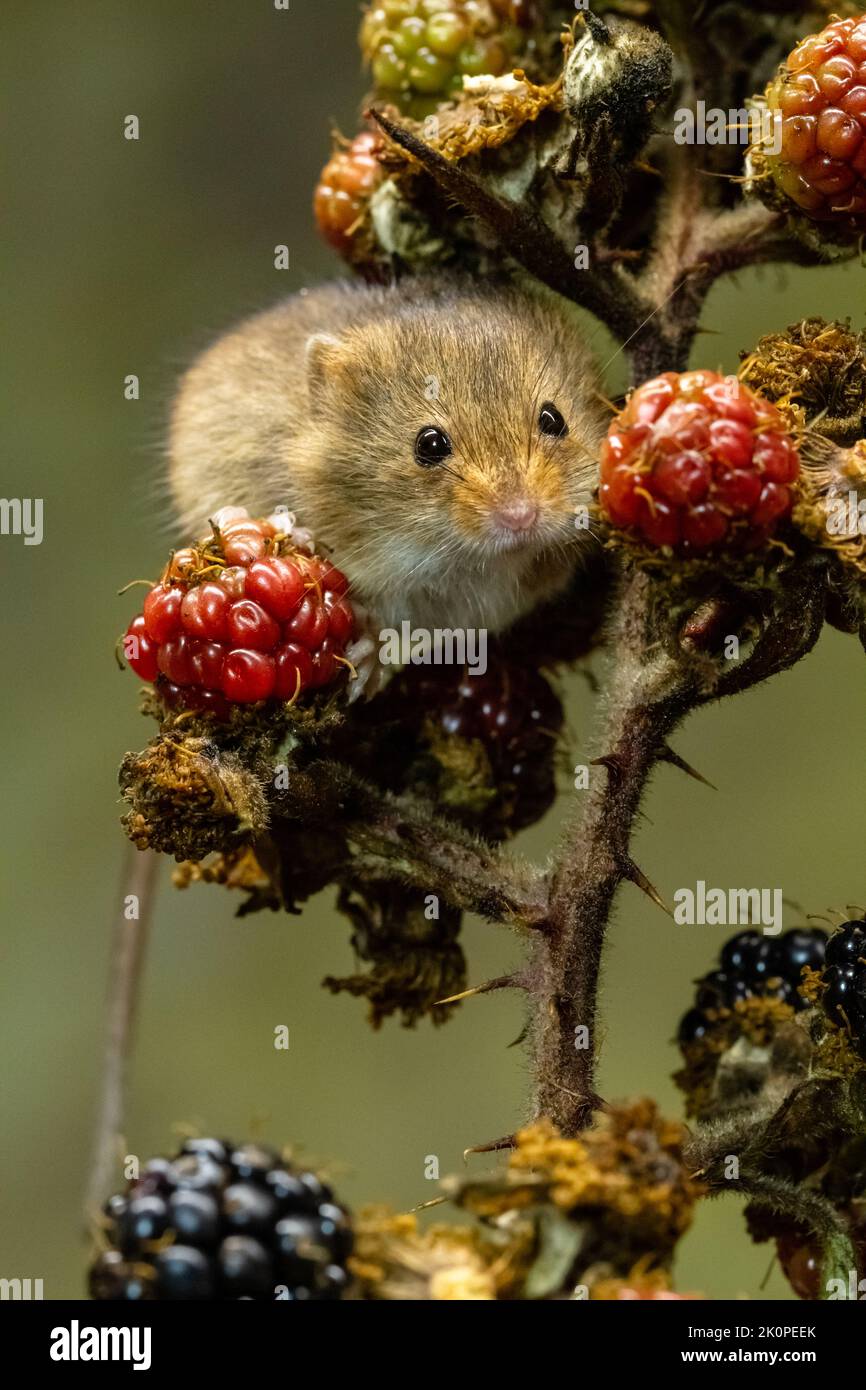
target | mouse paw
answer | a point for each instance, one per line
(370, 675)
(363, 653)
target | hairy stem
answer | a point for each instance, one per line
(608, 292)
(397, 838)
(646, 700)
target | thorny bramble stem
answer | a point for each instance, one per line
(645, 702)
(390, 838)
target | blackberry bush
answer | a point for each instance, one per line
(546, 162)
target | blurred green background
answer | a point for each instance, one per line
(127, 257)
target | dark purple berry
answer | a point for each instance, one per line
(183, 1272)
(336, 1230)
(248, 1209)
(145, 1219)
(115, 1207)
(720, 989)
(693, 1025)
(198, 1171)
(210, 1148)
(253, 1161)
(302, 1250)
(317, 1190)
(333, 1282)
(246, 1268)
(109, 1277)
(801, 947)
(289, 1191)
(739, 954)
(843, 1002)
(766, 963)
(194, 1216)
(847, 945)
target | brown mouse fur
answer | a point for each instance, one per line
(316, 404)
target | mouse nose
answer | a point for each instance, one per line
(517, 515)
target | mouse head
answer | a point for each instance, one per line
(463, 429)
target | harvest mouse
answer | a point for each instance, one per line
(437, 438)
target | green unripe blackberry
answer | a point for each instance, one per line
(419, 51)
(221, 1221)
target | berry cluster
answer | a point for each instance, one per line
(696, 461)
(754, 966)
(819, 96)
(344, 188)
(245, 616)
(844, 981)
(420, 50)
(511, 710)
(224, 1222)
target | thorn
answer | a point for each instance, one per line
(613, 763)
(432, 1202)
(501, 982)
(495, 1146)
(669, 756)
(639, 878)
(521, 1037)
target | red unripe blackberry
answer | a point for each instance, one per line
(220, 1222)
(270, 623)
(140, 651)
(294, 668)
(248, 676)
(819, 97)
(204, 612)
(250, 626)
(162, 613)
(277, 585)
(802, 1264)
(696, 461)
(345, 186)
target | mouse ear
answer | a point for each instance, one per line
(322, 360)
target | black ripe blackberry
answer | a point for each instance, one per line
(511, 711)
(844, 980)
(751, 966)
(221, 1221)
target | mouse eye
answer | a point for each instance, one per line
(432, 446)
(550, 420)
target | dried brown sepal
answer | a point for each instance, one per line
(815, 372)
(415, 961)
(188, 799)
(238, 869)
(624, 1181)
(396, 1260)
(828, 508)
